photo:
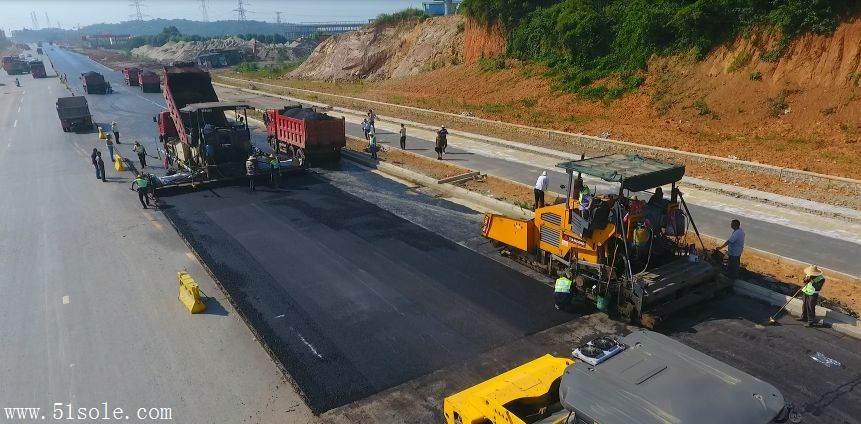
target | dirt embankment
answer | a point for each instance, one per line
(483, 41)
(387, 51)
(189, 50)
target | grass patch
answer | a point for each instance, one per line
(756, 76)
(703, 108)
(777, 105)
(401, 16)
(491, 64)
(740, 60)
(492, 107)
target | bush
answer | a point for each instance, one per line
(404, 15)
(584, 41)
(491, 64)
(777, 105)
(756, 76)
(739, 61)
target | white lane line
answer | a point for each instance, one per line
(142, 97)
(310, 346)
(15, 124)
(66, 300)
(19, 109)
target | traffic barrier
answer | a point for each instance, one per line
(102, 135)
(119, 163)
(189, 293)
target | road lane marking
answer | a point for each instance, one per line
(19, 109)
(15, 124)
(66, 300)
(310, 346)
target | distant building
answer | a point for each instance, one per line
(2, 35)
(113, 41)
(441, 7)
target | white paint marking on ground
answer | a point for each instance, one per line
(19, 109)
(310, 346)
(15, 124)
(66, 300)
(280, 316)
(151, 101)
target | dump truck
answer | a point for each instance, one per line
(39, 51)
(149, 82)
(14, 65)
(37, 69)
(630, 258)
(305, 135)
(200, 133)
(131, 76)
(74, 114)
(94, 83)
(641, 378)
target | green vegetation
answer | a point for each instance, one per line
(587, 41)
(777, 105)
(403, 15)
(275, 70)
(703, 108)
(830, 110)
(491, 64)
(740, 61)
(756, 76)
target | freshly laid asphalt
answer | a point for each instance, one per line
(318, 270)
(352, 298)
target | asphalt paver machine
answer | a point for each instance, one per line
(630, 257)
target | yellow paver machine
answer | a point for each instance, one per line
(630, 257)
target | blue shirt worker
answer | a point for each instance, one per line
(814, 280)
(562, 294)
(735, 246)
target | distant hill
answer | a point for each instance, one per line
(155, 26)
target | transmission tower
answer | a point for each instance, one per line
(35, 20)
(241, 11)
(47, 21)
(278, 18)
(138, 15)
(203, 12)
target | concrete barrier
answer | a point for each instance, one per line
(189, 293)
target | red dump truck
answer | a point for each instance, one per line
(308, 136)
(94, 83)
(131, 75)
(37, 69)
(149, 82)
(74, 113)
(201, 134)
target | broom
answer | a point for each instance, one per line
(771, 319)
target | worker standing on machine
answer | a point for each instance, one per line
(562, 295)
(540, 188)
(814, 280)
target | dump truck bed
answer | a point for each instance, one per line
(72, 107)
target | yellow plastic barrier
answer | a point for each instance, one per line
(119, 165)
(102, 134)
(189, 293)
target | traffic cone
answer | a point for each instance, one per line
(101, 134)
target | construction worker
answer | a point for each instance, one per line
(275, 169)
(443, 134)
(251, 171)
(562, 295)
(366, 128)
(585, 201)
(372, 120)
(100, 165)
(735, 246)
(141, 151)
(116, 130)
(813, 282)
(372, 144)
(110, 145)
(540, 187)
(93, 158)
(403, 137)
(142, 184)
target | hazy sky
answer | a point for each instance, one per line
(15, 14)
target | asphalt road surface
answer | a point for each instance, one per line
(786, 240)
(89, 286)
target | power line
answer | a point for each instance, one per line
(203, 11)
(241, 11)
(137, 15)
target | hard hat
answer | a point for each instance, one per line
(544, 173)
(812, 271)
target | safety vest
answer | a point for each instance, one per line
(274, 163)
(563, 285)
(809, 289)
(583, 193)
(141, 182)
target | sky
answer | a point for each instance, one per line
(15, 14)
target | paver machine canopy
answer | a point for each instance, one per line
(628, 256)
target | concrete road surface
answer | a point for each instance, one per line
(88, 289)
